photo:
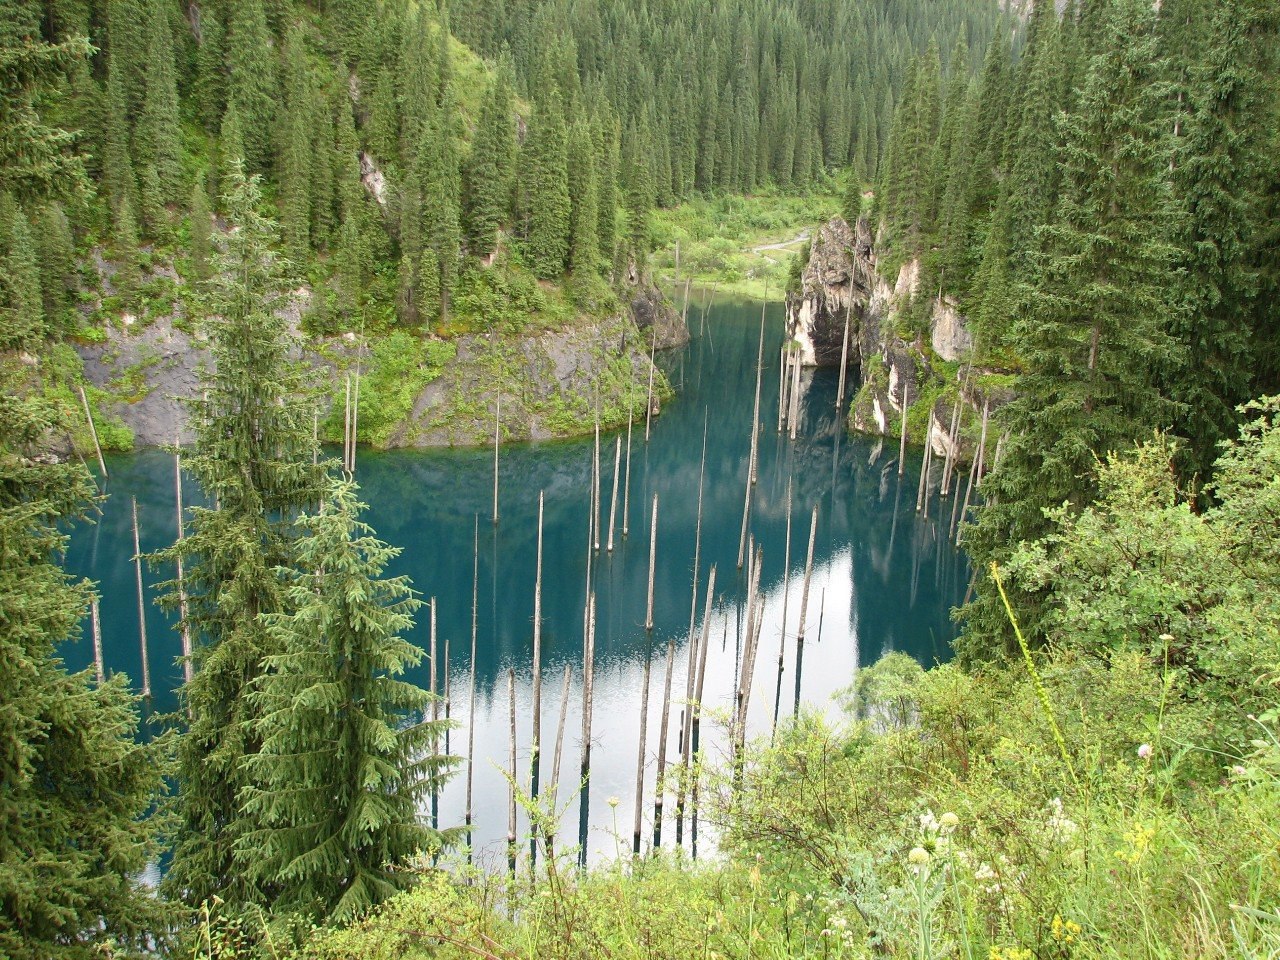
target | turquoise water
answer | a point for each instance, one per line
(884, 578)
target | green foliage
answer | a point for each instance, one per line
(253, 455)
(75, 787)
(543, 192)
(400, 367)
(340, 776)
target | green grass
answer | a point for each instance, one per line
(720, 237)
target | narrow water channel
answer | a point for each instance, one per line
(884, 578)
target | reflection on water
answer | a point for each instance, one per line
(884, 579)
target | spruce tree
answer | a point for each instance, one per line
(252, 88)
(544, 184)
(200, 230)
(209, 88)
(253, 458)
(489, 167)
(117, 162)
(439, 189)
(1223, 166)
(584, 217)
(159, 136)
(347, 759)
(638, 199)
(606, 139)
(76, 790)
(296, 159)
(1095, 311)
(58, 278)
(22, 321)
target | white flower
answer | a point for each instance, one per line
(1144, 751)
(928, 822)
(949, 821)
(918, 856)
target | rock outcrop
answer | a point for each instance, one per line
(892, 370)
(652, 312)
(838, 281)
(948, 332)
(547, 381)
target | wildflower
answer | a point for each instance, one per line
(1144, 751)
(928, 822)
(1166, 638)
(1062, 827)
(1238, 770)
(918, 856)
(949, 821)
(1064, 931)
(1137, 841)
(613, 801)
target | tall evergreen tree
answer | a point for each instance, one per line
(1224, 163)
(253, 456)
(346, 762)
(75, 787)
(439, 188)
(544, 188)
(584, 217)
(296, 147)
(252, 88)
(200, 230)
(489, 168)
(159, 137)
(1097, 307)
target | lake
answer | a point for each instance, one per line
(884, 578)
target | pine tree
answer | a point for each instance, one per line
(158, 135)
(252, 89)
(544, 186)
(489, 167)
(341, 776)
(253, 457)
(584, 217)
(1096, 310)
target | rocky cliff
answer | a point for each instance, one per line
(838, 281)
(891, 362)
(552, 381)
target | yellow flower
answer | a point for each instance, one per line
(1137, 841)
(1010, 953)
(1065, 931)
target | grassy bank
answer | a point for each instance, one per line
(744, 245)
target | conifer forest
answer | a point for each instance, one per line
(532, 479)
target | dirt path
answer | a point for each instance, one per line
(761, 250)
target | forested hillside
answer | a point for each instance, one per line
(1103, 208)
(1097, 189)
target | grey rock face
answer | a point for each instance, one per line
(837, 282)
(949, 333)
